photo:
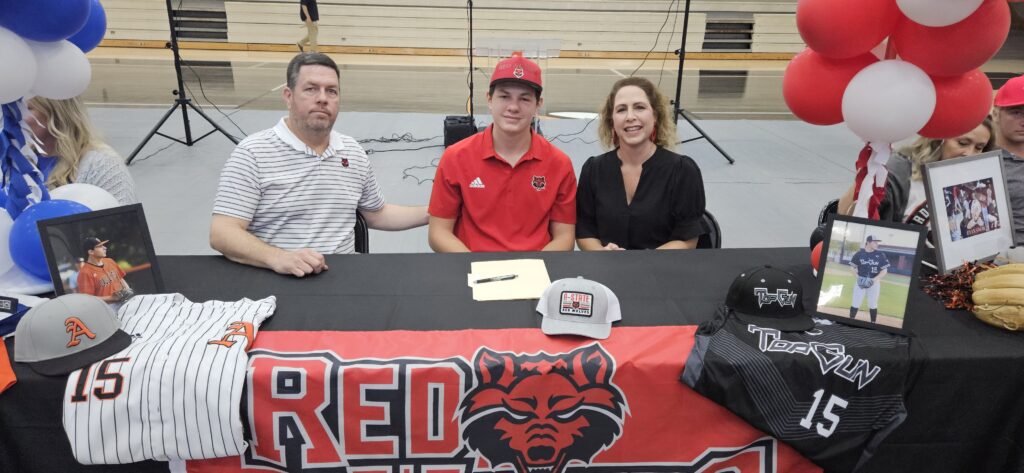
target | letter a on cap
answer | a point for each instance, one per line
(77, 328)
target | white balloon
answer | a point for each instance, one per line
(6, 262)
(18, 281)
(888, 101)
(938, 12)
(96, 198)
(64, 72)
(18, 70)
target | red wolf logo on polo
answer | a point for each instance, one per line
(504, 412)
(539, 182)
(539, 412)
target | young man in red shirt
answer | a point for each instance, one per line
(506, 188)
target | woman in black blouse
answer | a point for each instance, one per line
(640, 195)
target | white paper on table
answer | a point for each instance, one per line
(530, 282)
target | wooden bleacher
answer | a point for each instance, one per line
(580, 28)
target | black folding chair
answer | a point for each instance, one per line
(713, 238)
(362, 234)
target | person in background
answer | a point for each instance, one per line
(505, 188)
(289, 194)
(73, 152)
(978, 222)
(905, 199)
(310, 15)
(1008, 117)
(956, 219)
(639, 195)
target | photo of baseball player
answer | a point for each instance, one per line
(971, 209)
(106, 253)
(101, 276)
(869, 265)
(867, 272)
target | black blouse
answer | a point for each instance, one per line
(668, 203)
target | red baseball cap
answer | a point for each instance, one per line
(1011, 94)
(517, 69)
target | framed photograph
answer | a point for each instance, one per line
(866, 271)
(107, 253)
(971, 218)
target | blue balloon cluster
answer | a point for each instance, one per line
(92, 32)
(83, 22)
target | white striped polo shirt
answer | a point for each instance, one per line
(293, 198)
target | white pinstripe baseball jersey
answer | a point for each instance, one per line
(174, 393)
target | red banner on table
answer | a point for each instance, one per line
(512, 400)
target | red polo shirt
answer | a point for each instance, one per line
(499, 207)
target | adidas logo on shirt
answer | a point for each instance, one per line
(476, 184)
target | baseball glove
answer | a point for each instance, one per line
(124, 294)
(865, 282)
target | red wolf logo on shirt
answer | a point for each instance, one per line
(539, 182)
(539, 412)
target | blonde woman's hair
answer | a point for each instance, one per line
(666, 127)
(926, 150)
(74, 136)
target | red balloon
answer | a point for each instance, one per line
(813, 85)
(958, 48)
(816, 255)
(845, 28)
(961, 103)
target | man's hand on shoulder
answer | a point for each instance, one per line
(298, 263)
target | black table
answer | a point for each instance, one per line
(965, 412)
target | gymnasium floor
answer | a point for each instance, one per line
(785, 169)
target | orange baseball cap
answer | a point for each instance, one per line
(1011, 94)
(517, 69)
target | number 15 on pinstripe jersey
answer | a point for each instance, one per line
(107, 386)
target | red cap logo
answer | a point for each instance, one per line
(517, 69)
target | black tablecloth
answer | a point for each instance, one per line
(965, 412)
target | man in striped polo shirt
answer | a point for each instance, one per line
(289, 194)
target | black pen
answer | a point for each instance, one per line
(504, 277)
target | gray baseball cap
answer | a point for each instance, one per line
(69, 332)
(577, 306)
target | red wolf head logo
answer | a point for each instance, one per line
(539, 412)
(539, 182)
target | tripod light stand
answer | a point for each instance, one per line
(182, 101)
(678, 108)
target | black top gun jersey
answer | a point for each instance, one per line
(833, 392)
(869, 263)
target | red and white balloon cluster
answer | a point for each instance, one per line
(926, 80)
(44, 45)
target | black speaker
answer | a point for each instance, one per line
(457, 128)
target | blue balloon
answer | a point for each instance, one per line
(44, 20)
(95, 27)
(25, 243)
